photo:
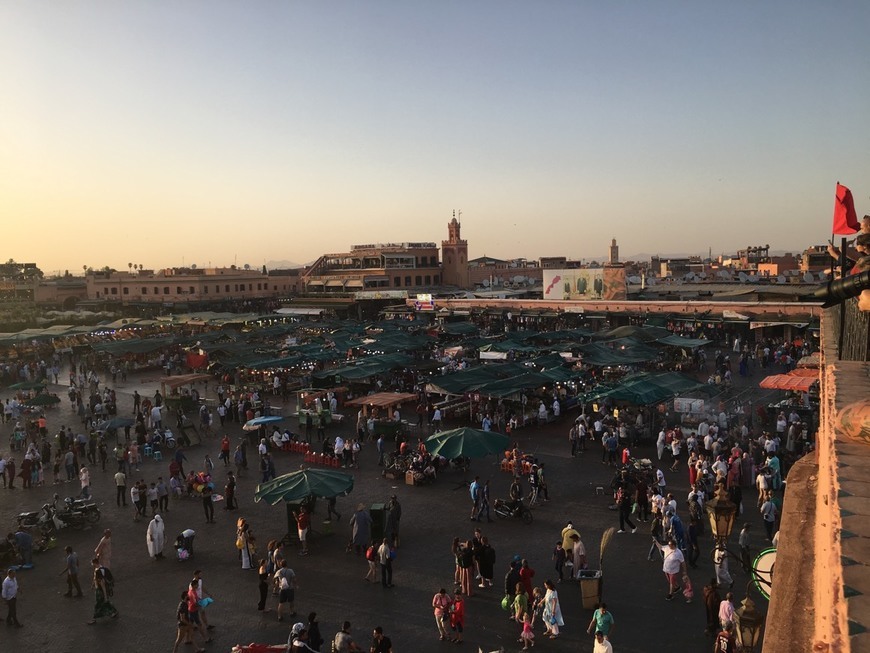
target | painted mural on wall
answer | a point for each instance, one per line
(585, 283)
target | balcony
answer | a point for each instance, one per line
(822, 585)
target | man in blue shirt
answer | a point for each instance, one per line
(474, 491)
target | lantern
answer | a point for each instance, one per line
(721, 511)
(748, 622)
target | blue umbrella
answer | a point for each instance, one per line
(257, 422)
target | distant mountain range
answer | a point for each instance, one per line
(284, 265)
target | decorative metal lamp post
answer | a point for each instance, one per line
(721, 512)
(748, 623)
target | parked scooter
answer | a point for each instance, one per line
(504, 509)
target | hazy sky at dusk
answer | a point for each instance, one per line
(161, 132)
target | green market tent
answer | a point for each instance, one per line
(297, 486)
(679, 341)
(639, 333)
(649, 389)
(466, 442)
(626, 352)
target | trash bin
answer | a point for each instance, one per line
(590, 588)
(379, 521)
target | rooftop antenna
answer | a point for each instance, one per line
(459, 216)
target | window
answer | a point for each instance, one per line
(397, 281)
(178, 290)
(191, 290)
(407, 281)
(165, 290)
(144, 291)
(418, 280)
(250, 286)
(435, 280)
(205, 290)
(126, 290)
(227, 288)
(428, 278)
(259, 286)
(114, 291)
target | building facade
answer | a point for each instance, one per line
(185, 285)
(374, 267)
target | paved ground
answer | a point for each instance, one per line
(331, 581)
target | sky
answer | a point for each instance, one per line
(170, 133)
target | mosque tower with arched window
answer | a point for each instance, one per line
(454, 257)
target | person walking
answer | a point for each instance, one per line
(208, 503)
(10, 595)
(385, 558)
(768, 514)
(245, 543)
(155, 538)
(102, 605)
(72, 573)
(457, 616)
(230, 492)
(203, 599)
(623, 499)
(103, 552)
(121, 488)
(552, 616)
(184, 629)
(263, 584)
(441, 603)
(602, 644)
(673, 566)
(286, 579)
(602, 621)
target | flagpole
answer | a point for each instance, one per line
(841, 335)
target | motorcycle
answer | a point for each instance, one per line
(76, 513)
(40, 519)
(503, 509)
(163, 438)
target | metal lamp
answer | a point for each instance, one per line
(748, 622)
(721, 512)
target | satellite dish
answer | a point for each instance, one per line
(193, 267)
(634, 280)
(781, 279)
(808, 277)
(724, 274)
(703, 275)
(743, 278)
(247, 266)
(752, 278)
(823, 276)
(485, 283)
(651, 281)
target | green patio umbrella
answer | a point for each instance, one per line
(43, 400)
(466, 442)
(305, 483)
(28, 385)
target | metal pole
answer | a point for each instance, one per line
(841, 335)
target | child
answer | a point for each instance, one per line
(559, 558)
(688, 592)
(536, 605)
(527, 637)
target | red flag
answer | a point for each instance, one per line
(845, 218)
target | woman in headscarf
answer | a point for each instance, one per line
(552, 615)
(156, 538)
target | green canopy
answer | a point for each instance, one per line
(305, 483)
(625, 352)
(466, 442)
(28, 385)
(640, 333)
(679, 341)
(43, 400)
(460, 328)
(135, 346)
(648, 389)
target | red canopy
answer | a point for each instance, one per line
(788, 382)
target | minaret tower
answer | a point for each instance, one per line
(614, 252)
(454, 256)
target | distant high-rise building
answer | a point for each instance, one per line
(614, 252)
(454, 257)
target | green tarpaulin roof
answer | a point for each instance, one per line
(137, 346)
(648, 389)
(679, 341)
(624, 352)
